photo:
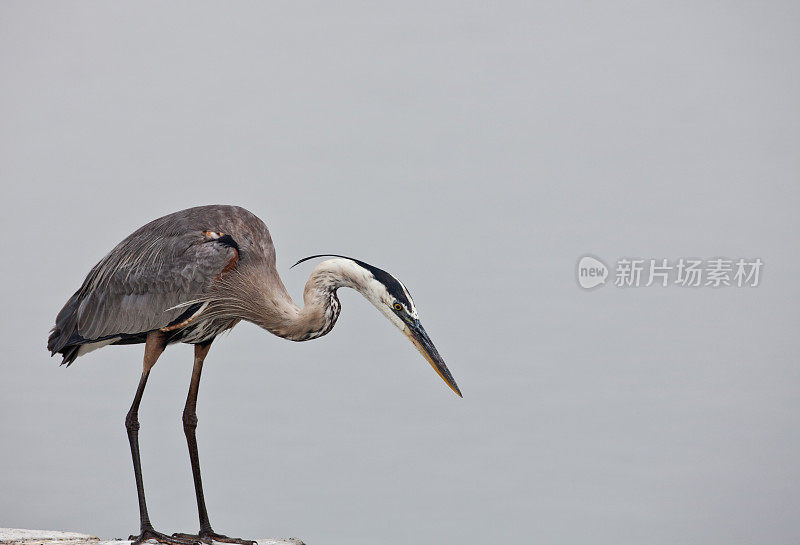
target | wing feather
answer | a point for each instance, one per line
(142, 284)
(157, 273)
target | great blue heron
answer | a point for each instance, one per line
(189, 276)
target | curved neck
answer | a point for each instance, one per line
(264, 300)
(320, 308)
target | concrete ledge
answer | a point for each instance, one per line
(15, 536)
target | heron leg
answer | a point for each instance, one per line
(206, 533)
(153, 348)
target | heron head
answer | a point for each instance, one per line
(393, 300)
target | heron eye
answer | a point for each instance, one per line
(397, 306)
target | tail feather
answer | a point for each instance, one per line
(64, 338)
(70, 354)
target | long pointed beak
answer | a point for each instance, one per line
(417, 335)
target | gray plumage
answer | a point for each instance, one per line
(191, 275)
(150, 279)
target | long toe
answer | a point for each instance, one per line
(149, 534)
(226, 539)
(209, 537)
(192, 537)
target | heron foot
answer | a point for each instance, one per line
(209, 536)
(150, 533)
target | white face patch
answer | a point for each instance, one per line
(352, 275)
(377, 294)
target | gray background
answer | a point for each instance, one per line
(476, 151)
